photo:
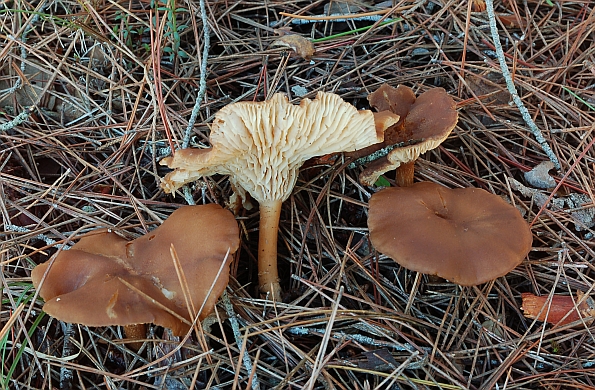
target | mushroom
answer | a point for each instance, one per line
(261, 147)
(106, 280)
(425, 123)
(464, 235)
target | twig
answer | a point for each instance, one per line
(16, 121)
(381, 153)
(26, 29)
(188, 195)
(512, 89)
(335, 16)
(202, 87)
(202, 84)
(373, 16)
(236, 334)
(69, 331)
(49, 242)
(361, 339)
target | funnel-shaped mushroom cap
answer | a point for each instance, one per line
(467, 236)
(398, 100)
(90, 283)
(262, 145)
(425, 123)
(384, 100)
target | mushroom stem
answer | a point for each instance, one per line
(268, 276)
(135, 332)
(405, 171)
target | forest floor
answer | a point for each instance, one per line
(94, 94)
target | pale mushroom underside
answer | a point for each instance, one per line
(262, 145)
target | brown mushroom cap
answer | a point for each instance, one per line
(467, 236)
(262, 145)
(398, 100)
(423, 126)
(385, 100)
(89, 284)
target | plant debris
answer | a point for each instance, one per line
(540, 175)
(302, 46)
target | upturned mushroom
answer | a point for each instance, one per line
(106, 280)
(261, 147)
(465, 235)
(425, 122)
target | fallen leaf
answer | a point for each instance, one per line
(510, 21)
(488, 85)
(478, 5)
(540, 175)
(302, 46)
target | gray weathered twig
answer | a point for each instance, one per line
(49, 241)
(16, 121)
(69, 331)
(202, 84)
(512, 89)
(238, 337)
(202, 87)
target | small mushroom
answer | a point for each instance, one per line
(106, 280)
(261, 146)
(424, 124)
(465, 235)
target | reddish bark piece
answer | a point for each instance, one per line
(562, 310)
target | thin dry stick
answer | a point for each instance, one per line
(48, 241)
(236, 334)
(372, 15)
(202, 87)
(23, 116)
(66, 374)
(333, 17)
(239, 366)
(512, 89)
(202, 84)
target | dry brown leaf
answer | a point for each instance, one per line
(284, 30)
(478, 5)
(510, 21)
(302, 46)
(488, 86)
